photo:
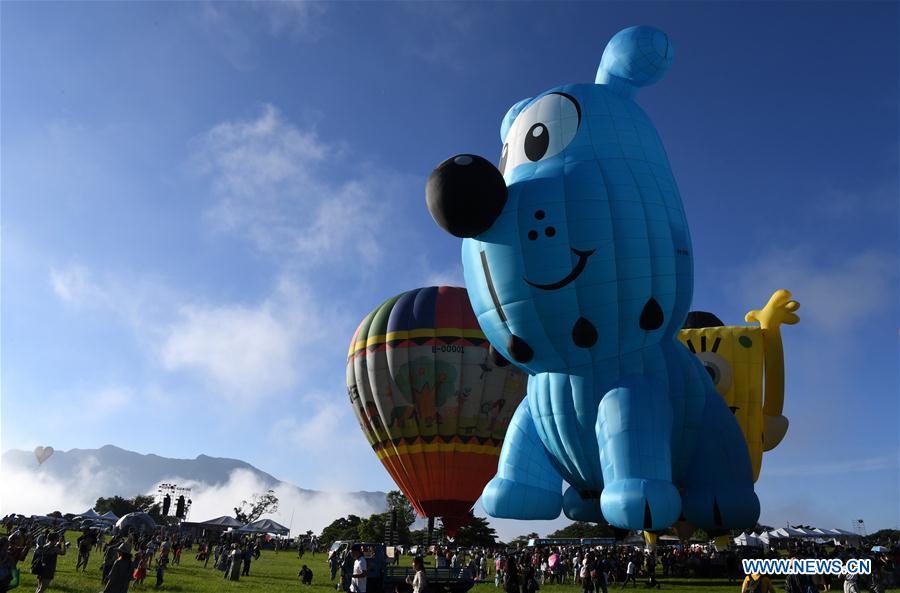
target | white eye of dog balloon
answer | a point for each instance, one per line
(543, 130)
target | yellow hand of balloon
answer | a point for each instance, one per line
(780, 309)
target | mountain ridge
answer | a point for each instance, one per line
(127, 473)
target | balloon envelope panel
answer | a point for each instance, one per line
(430, 401)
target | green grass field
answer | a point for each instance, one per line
(277, 573)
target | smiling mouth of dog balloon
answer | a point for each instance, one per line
(577, 261)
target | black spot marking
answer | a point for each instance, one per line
(648, 516)
(584, 334)
(745, 341)
(532, 234)
(519, 349)
(496, 357)
(717, 514)
(550, 231)
(652, 316)
(540, 214)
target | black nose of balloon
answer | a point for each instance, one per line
(465, 195)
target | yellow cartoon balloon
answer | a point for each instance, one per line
(746, 364)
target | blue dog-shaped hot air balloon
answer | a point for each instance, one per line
(578, 264)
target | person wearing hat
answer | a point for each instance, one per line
(120, 574)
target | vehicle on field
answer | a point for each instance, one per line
(384, 576)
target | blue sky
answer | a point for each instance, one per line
(201, 201)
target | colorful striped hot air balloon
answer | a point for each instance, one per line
(430, 399)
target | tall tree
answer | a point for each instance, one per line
(372, 529)
(397, 501)
(259, 504)
(341, 529)
(477, 533)
(118, 505)
(522, 540)
(581, 529)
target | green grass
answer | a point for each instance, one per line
(277, 573)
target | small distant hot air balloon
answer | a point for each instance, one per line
(42, 454)
(430, 399)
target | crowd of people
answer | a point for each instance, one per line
(596, 569)
(126, 559)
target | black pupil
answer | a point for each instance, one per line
(713, 373)
(536, 142)
(503, 156)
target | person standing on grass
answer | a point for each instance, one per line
(109, 558)
(121, 573)
(48, 554)
(85, 543)
(7, 564)
(247, 556)
(334, 562)
(584, 575)
(140, 571)
(360, 571)
(418, 581)
(511, 576)
(630, 573)
(234, 566)
(160, 571)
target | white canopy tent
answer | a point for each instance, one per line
(749, 540)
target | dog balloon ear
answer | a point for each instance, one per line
(635, 57)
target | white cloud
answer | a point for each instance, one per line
(273, 185)
(75, 286)
(327, 417)
(244, 350)
(28, 491)
(298, 509)
(250, 352)
(834, 295)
